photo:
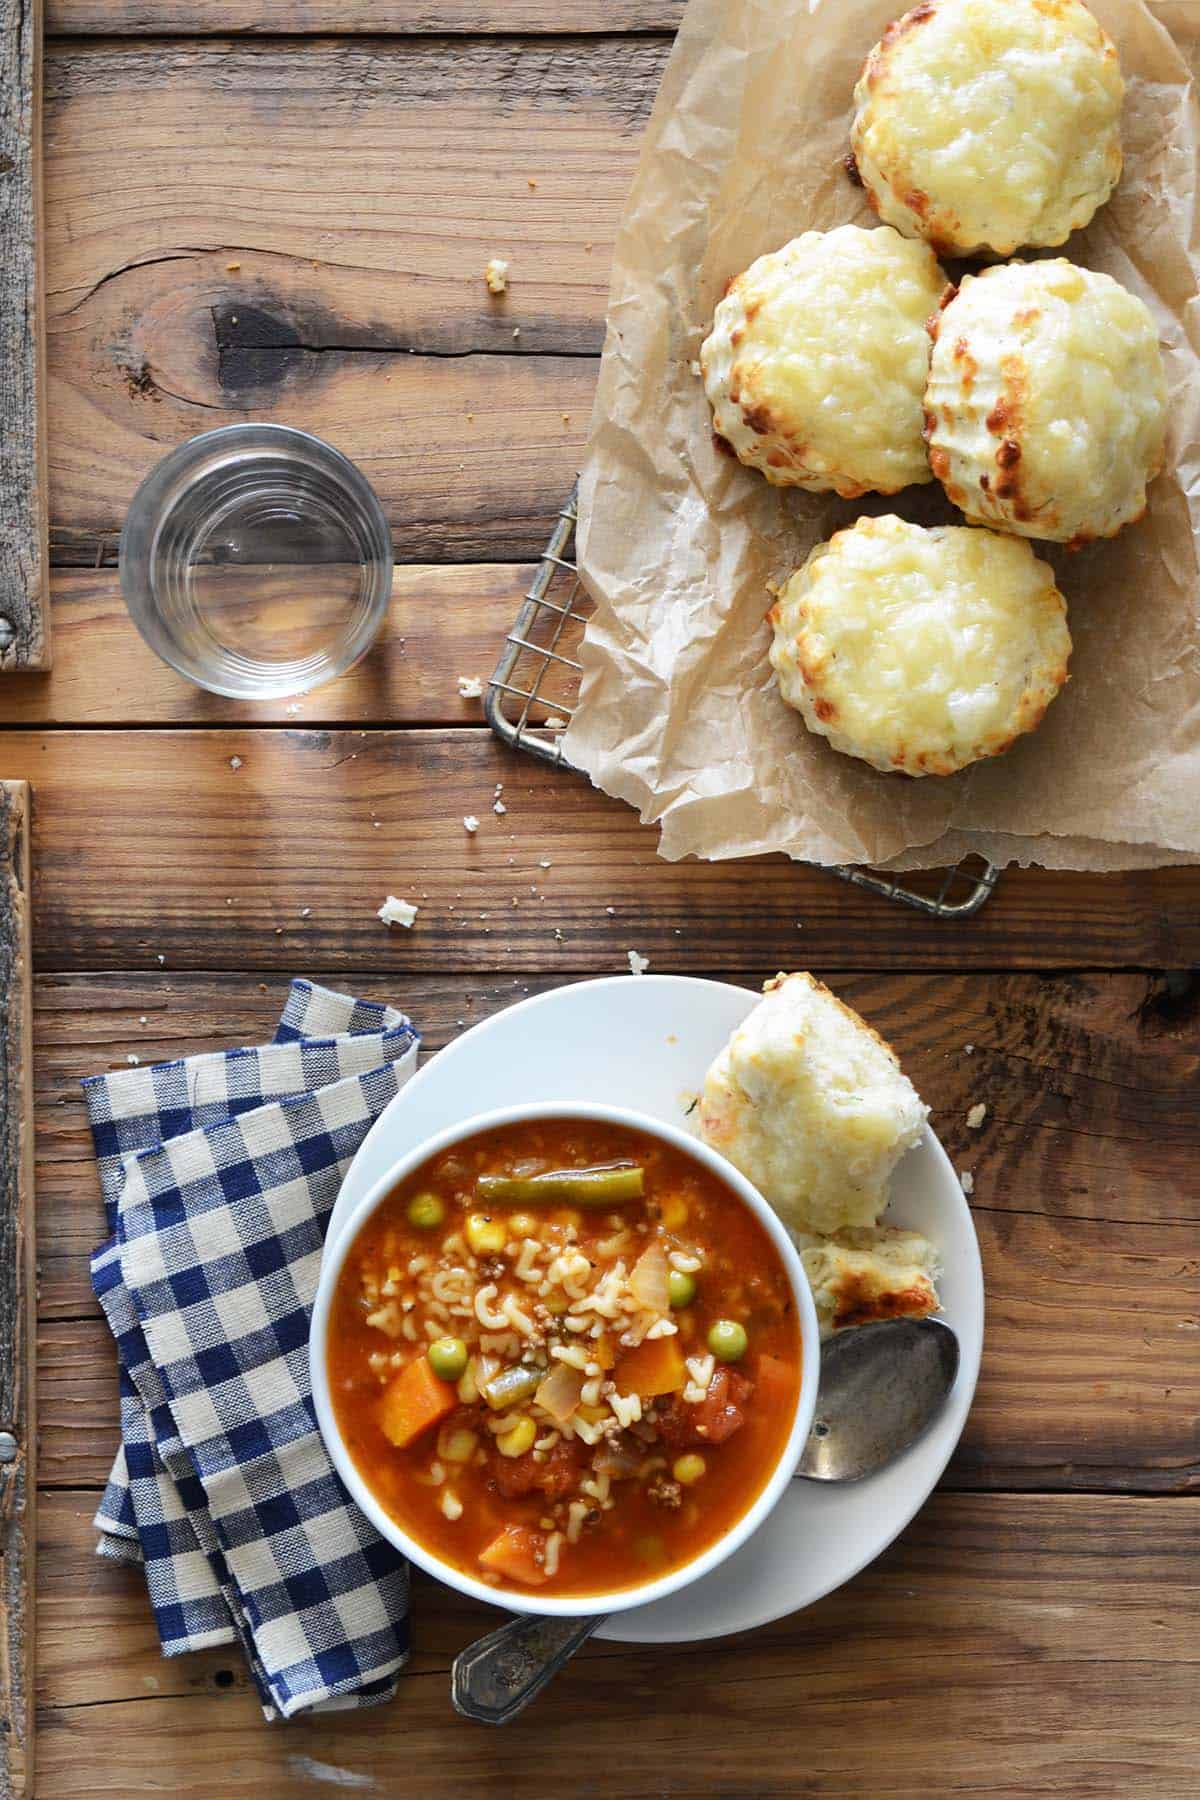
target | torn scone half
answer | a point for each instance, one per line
(875, 1273)
(812, 1106)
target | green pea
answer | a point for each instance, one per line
(447, 1358)
(425, 1211)
(727, 1340)
(681, 1288)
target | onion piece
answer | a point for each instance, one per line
(559, 1393)
(649, 1279)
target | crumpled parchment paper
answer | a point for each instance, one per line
(679, 713)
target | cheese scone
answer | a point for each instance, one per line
(920, 649)
(983, 125)
(875, 1272)
(811, 1105)
(1046, 407)
(817, 360)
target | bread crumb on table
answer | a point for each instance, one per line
(966, 1181)
(499, 809)
(235, 762)
(398, 912)
(976, 1116)
(496, 275)
(470, 687)
(471, 823)
(638, 964)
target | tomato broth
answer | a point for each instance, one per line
(552, 1381)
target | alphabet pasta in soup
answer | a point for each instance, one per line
(564, 1356)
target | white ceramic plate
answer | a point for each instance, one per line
(645, 1042)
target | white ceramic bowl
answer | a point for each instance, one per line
(574, 1604)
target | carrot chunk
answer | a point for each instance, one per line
(775, 1383)
(513, 1555)
(414, 1400)
(654, 1367)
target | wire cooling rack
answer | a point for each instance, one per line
(533, 691)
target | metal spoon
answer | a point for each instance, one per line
(881, 1386)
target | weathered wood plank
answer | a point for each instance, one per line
(1049, 1637)
(154, 850)
(445, 621)
(24, 562)
(18, 1408)
(1090, 1358)
(191, 296)
(1084, 1194)
(367, 17)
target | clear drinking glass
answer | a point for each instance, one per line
(256, 561)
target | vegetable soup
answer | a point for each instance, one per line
(564, 1356)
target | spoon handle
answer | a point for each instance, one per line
(497, 1676)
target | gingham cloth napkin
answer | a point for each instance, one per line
(219, 1174)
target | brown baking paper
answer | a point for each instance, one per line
(679, 713)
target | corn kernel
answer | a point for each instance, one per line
(520, 1439)
(674, 1212)
(688, 1469)
(486, 1236)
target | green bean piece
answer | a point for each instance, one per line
(425, 1211)
(727, 1340)
(577, 1187)
(447, 1358)
(681, 1289)
(508, 1386)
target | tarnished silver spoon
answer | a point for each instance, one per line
(881, 1387)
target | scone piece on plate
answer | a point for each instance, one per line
(811, 1105)
(983, 125)
(817, 360)
(1047, 403)
(880, 1272)
(919, 649)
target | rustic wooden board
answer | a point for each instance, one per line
(370, 17)
(982, 1654)
(155, 851)
(18, 1409)
(193, 297)
(445, 621)
(1084, 1194)
(24, 563)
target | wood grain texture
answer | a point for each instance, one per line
(1084, 1196)
(24, 562)
(328, 291)
(18, 1408)
(445, 621)
(367, 17)
(983, 1654)
(273, 849)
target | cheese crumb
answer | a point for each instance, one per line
(968, 1049)
(235, 762)
(500, 809)
(470, 823)
(545, 863)
(470, 687)
(976, 1116)
(967, 1181)
(496, 275)
(638, 964)
(397, 912)
(232, 268)
(554, 723)
(131, 1058)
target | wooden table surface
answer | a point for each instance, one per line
(259, 209)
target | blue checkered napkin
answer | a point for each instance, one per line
(219, 1173)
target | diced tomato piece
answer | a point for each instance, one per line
(514, 1555)
(688, 1426)
(518, 1475)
